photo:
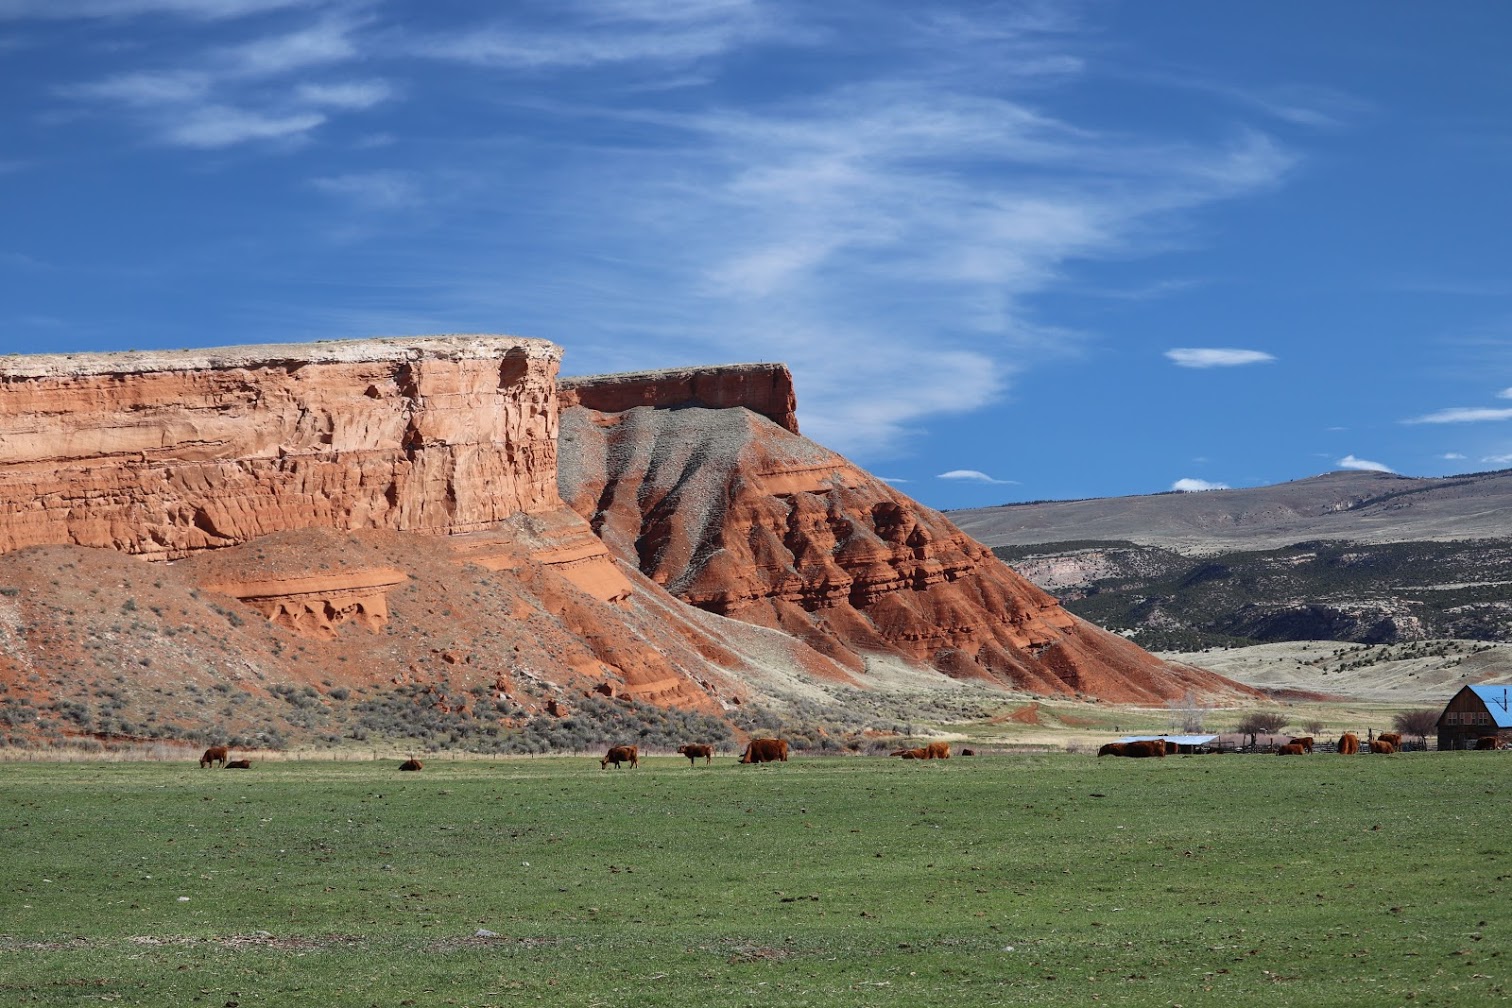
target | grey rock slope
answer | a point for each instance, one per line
(1363, 507)
(1371, 558)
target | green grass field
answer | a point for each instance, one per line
(1025, 880)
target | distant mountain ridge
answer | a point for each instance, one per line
(1364, 507)
(1371, 558)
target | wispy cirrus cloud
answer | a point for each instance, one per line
(1463, 414)
(675, 33)
(1364, 465)
(199, 10)
(380, 190)
(210, 127)
(1190, 485)
(885, 228)
(240, 93)
(1211, 357)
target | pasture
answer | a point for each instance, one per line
(1026, 880)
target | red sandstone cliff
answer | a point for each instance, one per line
(368, 517)
(163, 454)
(740, 516)
(368, 537)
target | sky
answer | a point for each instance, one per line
(1010, 250)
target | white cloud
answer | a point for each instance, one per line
(1451, 456)
(1209, 357)
(671, 33)
(1497, 459)
(345, 94)
(236, 94)
(324, 42)
(972, 476)
(213, 126)
(1194, 485)
(1462, 414)
(1505, 393)
(202, 10)
(146, 89)
(382, 190)
(1365, 465)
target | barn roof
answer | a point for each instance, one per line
(1178, 739)
(1498, 700)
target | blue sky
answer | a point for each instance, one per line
(1011, 251)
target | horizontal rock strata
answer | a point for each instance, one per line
(167, 453)
(766, 389)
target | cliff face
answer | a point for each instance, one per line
(766, 389)
(741, 517)
(350, 529)
(165, 454)
(377, 519)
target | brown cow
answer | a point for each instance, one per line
(937, 750)
(215, 754)
(914, 753)
(1113, 749)
(1291, 749)
(1305, 741)
(696, 749)
(1349, 744)
(239, 764)
(1488, 742)
(1379, 746)
(968, 752)
(621, 754)
(1394, 738)
(765, 750)
(1147, 747)
(412, 764)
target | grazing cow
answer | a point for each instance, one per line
(1379, 746)
(968, 752)
(1394, 738)
(1148, 747)
(621, 754)
(239, 764)
(766, 750)
(1349, 744)
(1292, 749)
(937, 750)
(1488, 742)
(215, 754)
(1113, 749)
(412, 764)
(696, 749)
(1306, 742)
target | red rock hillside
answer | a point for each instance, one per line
(737, 514)
(347, 540)
(344, 541)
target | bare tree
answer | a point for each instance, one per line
(1416, 722)
(1314, 727)
(1261, 723)
(1188, 715)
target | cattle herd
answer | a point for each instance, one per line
(1348, 745)
(770, 750)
